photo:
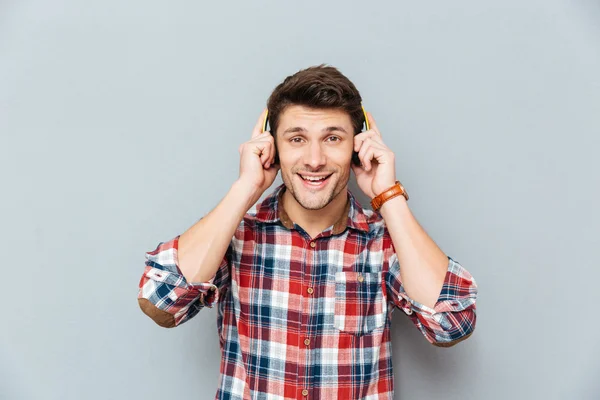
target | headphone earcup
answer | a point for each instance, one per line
(355, 159)
(276, 158)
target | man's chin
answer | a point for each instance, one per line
(313, 199)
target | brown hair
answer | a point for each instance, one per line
(319, 86)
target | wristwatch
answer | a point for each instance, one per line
(387, 194)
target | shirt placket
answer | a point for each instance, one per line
(306, 341)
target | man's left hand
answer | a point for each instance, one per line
(377, 172)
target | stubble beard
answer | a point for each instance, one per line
(315, 201)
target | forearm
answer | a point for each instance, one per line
(202, 246)
(423, 265)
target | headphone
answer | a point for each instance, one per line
(355, 159)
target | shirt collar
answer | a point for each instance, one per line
(353, 216)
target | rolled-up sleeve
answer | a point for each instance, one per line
(453, 317)
(164, 293)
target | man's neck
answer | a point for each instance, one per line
(315, 221)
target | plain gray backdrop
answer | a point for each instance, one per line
(120, 126)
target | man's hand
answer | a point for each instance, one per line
(256, 159)
(377, 172)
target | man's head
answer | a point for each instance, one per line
(313, 116)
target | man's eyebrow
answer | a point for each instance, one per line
(297, 129)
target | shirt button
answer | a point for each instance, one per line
(305, 392)
(310, 290)
(313, 244)
(360, 278)
(213, 288)
(307, 341)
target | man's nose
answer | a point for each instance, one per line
(315, 156)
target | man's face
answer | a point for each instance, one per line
(315, 152)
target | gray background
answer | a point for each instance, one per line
(120, 126)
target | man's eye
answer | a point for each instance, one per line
(330, 138)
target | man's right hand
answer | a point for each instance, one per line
(203, 247)
(256, 159)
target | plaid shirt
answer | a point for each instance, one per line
(301, 317)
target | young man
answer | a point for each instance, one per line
(306, 282)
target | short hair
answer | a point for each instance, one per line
(319, 86)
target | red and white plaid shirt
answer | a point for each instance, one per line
(301, 317)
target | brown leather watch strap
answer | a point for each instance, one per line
(388, 194)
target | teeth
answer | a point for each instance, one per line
(312, 178)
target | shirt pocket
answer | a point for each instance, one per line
(360, 305)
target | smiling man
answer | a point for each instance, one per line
(306, 281)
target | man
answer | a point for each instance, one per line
(306, 282)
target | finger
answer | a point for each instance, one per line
(358, 140)
(266, 152)
(256, 139)
(372, 123)
(376, 139)
(264, 155)
(361, 137)
(272, 150)
(362, 154)
(370, 155)
(369, 150)
(259, 124)
(271, 157)
(263, 146)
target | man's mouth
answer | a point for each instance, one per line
(314, 181)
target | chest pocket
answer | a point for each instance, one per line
(360, 305)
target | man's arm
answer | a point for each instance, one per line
(187, 273)
(184, 275)
(420, 276)
(201, 247)
(423, 279)
(424, 264)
